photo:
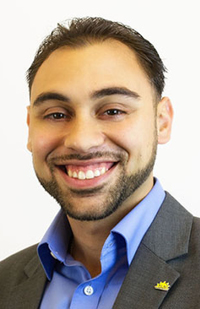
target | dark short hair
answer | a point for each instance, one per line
(83, 31)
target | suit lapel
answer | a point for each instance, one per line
(138, 290)
(166, 239)
(28, 293)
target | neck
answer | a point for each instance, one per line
(89, 236)
(87, 242)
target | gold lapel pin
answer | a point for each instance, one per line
(162, 286)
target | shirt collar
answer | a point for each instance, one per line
(54, 244)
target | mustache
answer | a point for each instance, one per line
(115, 156)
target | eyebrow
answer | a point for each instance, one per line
(123, 91)
(47, 96)
(115, 91)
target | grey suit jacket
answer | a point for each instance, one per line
(170, 251)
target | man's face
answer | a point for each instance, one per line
(92, 129)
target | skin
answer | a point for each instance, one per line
(87, 127)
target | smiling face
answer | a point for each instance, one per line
(92, 129)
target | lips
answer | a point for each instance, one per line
(81, 173)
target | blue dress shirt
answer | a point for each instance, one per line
(69, 282)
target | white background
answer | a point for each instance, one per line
(173, 26)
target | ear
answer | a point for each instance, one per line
(164, 120)
(29, 146)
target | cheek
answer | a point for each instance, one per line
(42, 144)
(133, 135)
(137, 138)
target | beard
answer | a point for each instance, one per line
(124, 186)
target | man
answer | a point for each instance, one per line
(95, 118)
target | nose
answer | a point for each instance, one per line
(85, 135)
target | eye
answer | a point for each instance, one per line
(56, 116)
(114, 112)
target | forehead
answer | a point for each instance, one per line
(100, 65)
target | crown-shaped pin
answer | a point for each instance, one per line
(162, 286)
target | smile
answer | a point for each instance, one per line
(82, 172)
(90, 174)
(79, 174)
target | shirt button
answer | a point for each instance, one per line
(88, 290)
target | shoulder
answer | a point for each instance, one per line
(22, 280)
(182, 216)
(196, 223)
(20, 258)
(184, 222)
(12, 269)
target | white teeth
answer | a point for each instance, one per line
(97, 173)
(88, 175)
(70, 174)
(81, 175)
(103, 170)
(74, 175)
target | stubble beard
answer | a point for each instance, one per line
(124, 187)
